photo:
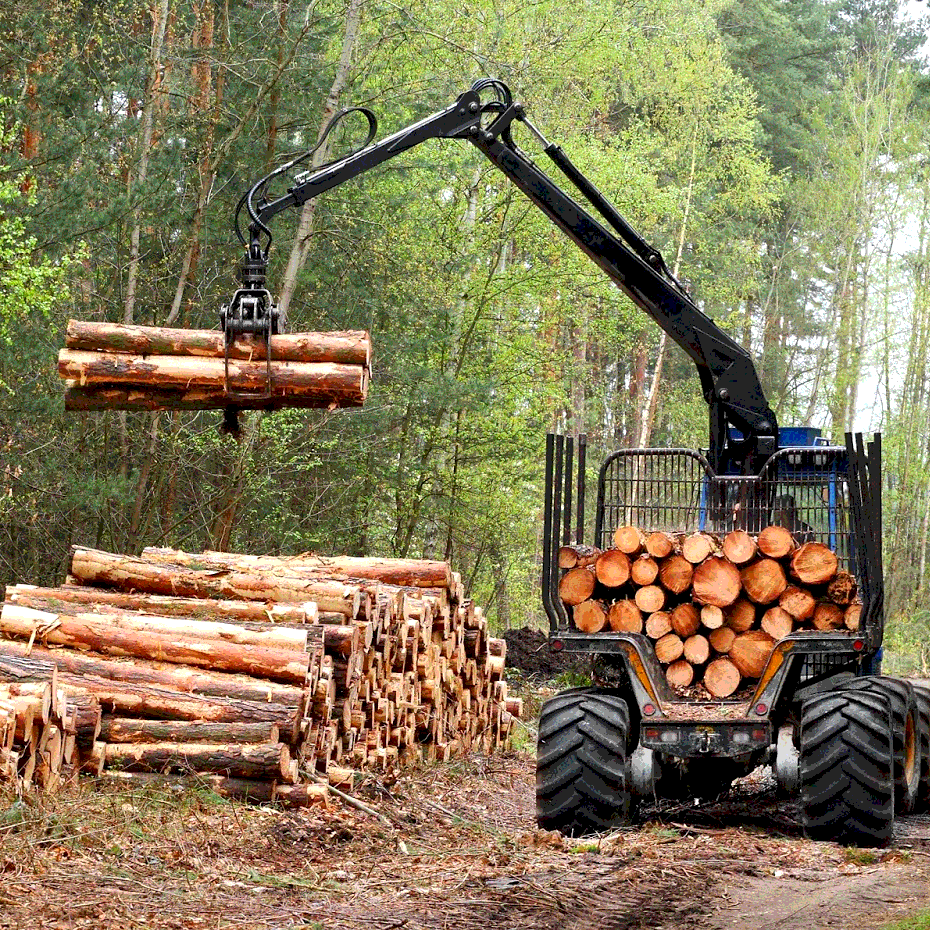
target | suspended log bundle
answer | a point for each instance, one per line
(109, 366)
(714, 606)
(263, 676)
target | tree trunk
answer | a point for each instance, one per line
(301, 245)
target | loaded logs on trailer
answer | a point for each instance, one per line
(110, 366)
(714, 606)
(265, 677)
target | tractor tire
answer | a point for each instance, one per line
(905, 722)
(581, 762)
(922, 696)
(846, 767)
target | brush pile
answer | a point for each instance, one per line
(265, 675)
(714, 607)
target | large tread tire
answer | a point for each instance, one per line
(846, 767)
(905, 734)
(581, 762)
(922, 697)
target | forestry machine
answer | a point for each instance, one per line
(855, 745)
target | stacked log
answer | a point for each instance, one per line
(47, 729)
(254, 671)
(714, 607)
(109, 366)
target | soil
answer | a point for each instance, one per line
(456, 846)
(528, 650)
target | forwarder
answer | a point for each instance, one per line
(854, 744)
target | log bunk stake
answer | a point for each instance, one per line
(263, 678)
(714, 607)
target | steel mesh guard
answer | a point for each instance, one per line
(675, 491)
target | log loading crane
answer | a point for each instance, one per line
(855, 745)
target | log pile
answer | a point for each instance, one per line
(267, 676)
(714, 607)
(109, 366)
(47, 729)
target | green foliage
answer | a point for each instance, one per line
(742, 139)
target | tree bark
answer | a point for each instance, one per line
(408, 573)
(343, 348)
(164, 605)
(267, 761)
(126, 573)
(132, 730)
(282, 665)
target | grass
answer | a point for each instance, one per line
(860, 856)
(914, 922)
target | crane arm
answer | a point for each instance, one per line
(728, 377)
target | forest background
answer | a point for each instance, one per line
(774, 150)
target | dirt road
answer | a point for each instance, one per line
(458, 849)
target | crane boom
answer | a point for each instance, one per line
(729, 381)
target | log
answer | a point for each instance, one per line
(675, 574)
(842, 589)
(275, 636)
(87, 717)
(679, 674)
(405, 573)
(164, 605)
(776, 542)
(764, 581)
(717, 582)
(777, 622)
(697, 547)
(629, 540)
(721, 639)
(697, 649)
(127, 573)
(577, 555)
(644, 570)
(852, 617)
(590, 616)
(576, 586)
(739, 547)
(171, 677)
(814, 563)
(625, 617)
(182, 372)
(741, 615)
(659, 545)
(132, 730)
(829, 616)
(799, 602)
(128, 397)
(721, 677)
(347, 348)
(658, 624)
(669, 648)
(282, 665)
(750, 652)
(650, 598)
(239, 789)
(685, 620)
(711, 617)
(266, 761)
(133, 699)
(612, 568)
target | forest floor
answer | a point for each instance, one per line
(457, 848)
